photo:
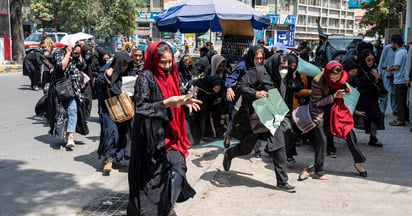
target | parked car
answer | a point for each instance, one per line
(341, 44)
(34, 39)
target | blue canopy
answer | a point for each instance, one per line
(196, 16)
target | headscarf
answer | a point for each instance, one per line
(216, 60)
(119, 60)
(326, 75)
(362, 59)
(100, 52)
(175, 130)
(272, 66)
(86, 48)
(349, 64)
(250, 56)
(341, 120)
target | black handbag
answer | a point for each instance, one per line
(64, 89)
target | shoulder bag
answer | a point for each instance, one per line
(64, 89)
(120, 107)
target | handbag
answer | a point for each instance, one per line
(64, 89)
(255, 124)
(303, 119)
(119, 107)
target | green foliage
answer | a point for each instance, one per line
(99, 17)
(381, 14)
(42, 10)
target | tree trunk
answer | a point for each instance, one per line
(17, 35)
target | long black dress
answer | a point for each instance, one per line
(150, 166)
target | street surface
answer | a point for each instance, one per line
(39, 178)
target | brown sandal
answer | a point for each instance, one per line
(304, 174)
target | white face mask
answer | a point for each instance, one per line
(283, 73)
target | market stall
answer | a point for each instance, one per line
(233, 18)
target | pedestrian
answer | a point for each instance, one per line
(399, 83)
(254, 85)
(385, 61)
(328, 87)
(33, 63)
(254, 58)
(67, 115)
(114, 136)
(157, 166)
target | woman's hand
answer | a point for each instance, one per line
(109, 72)
(360, 113)
(375, 74)
(261, 94)
(187, 100)
(348, 88)
(339, 93)
(230, 94)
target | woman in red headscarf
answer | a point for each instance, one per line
(328, 89)
(157, 168)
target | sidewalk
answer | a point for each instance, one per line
(10, 68)
(248, 188)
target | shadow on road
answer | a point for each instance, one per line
(25, 191)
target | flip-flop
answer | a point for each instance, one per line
(304, 174)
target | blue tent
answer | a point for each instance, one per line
(196, 16)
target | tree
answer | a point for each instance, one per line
(17, 35)
(380, 14)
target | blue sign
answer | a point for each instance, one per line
(357, 3)
(274, 18)
(290, 20)
(282, 37)
(142, 16)
(291, 42)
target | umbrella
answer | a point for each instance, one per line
(73, 38)
(196, 16)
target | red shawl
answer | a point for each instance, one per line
(175, 130)
(341, 120)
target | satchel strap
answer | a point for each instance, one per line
(108, 82)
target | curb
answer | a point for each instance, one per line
(10, 68)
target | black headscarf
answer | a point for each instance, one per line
(100, 52)
(362, 57)
(250, 56)
(119, 60)
(272, 66)
(292, 58)
(86, 48)
(349, 64)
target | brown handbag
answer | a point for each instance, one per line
(119, 107)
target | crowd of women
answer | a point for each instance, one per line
(190, 102)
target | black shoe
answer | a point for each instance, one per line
(410, 130)
(226, 161)
(375, 143)
(332, 154)
(286, 187)
(362, 174)
(397, 123)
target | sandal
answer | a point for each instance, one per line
(305, 174)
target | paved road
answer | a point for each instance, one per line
(38, 177)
